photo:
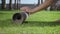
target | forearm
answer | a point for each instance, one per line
(42, 6)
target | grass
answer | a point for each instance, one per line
(38, 23)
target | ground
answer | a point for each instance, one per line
(38, 23)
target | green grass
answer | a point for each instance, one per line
(38, 23)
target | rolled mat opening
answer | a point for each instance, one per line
(17, 16)
(20, 17)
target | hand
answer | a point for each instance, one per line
(26, 9)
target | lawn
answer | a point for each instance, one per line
(38, 23)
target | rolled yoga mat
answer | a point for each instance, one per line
(20, 17)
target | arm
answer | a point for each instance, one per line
(42, 6)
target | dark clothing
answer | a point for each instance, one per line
(55, 5)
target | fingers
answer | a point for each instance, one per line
(25, 9)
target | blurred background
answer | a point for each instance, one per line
(43, 22)
(17, 4)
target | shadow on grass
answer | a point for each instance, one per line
(9, 23)
(41, 23)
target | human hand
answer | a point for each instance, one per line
(26, 9)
